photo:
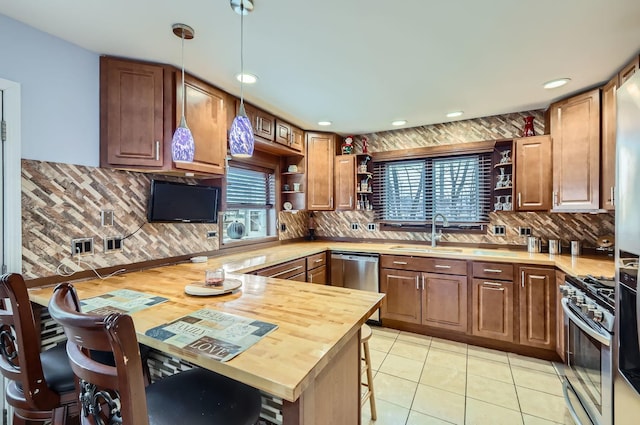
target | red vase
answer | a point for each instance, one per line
(528, 127)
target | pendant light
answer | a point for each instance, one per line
(241, 138)
(182, 145)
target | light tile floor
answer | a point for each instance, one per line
(420, 380)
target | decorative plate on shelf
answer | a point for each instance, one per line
(287, 206)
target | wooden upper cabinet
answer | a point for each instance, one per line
(631, 68)
(608, 163)
(345, 177)
(575, 131)
(537, 307)
(264, 124)
(206, 115)
(533, 173)
(131, 113)
(297, 143)
(320, 153)
(288, 135)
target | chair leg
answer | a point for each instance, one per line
(59, 416)
(370, 394)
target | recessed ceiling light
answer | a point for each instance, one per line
(399, 122)
(454, 114)
(247, 78)
(325, 123)
(556, 83)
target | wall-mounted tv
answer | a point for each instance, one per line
(181, 202)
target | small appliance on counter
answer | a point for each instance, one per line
(534, 244)
(555, 246)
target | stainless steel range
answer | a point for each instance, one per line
(589, 309)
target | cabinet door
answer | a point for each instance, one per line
(345, 176)
(537, 307)
(575, 130)
(533, 173)
(206, 115)
(444, 301)
(283, 133)
(608, 180)
(317, 275)
(264, 125)
(402, 300)
(560, 330)
(297, 139)
(492, 309)
(320, 153)
(131, 113)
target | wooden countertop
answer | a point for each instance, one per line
(314, 321)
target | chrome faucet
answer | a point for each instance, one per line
(435, 237)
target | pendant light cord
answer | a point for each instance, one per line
(241, 52)
(183, 94)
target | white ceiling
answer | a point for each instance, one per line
(364, 63)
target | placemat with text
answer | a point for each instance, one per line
(123, 301)
(211, 333)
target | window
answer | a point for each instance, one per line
(250, 199)
(412, 191)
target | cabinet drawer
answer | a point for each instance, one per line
(285, 270)
(500, 271)
(424, 264)
(316, 260)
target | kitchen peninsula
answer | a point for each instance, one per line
(311, 361)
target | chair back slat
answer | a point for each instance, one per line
(20, 344)
(100, 382)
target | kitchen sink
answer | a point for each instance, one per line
(430, 250)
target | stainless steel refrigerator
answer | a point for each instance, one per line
(626, 394)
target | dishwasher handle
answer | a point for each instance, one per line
(355, 257)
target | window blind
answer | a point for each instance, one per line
(412, 191)
(250, 188)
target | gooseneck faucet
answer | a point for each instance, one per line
(445, 223)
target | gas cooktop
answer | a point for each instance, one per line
(600, 288)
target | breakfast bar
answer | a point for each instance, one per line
(312, 359)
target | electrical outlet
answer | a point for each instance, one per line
(212, 234)
(113, 243)
(283, 227)
(371, 227)
(499, 230)
(106, 217)
(355, 226)
(524, 231)
(81, 246)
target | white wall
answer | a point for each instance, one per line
(59, 94)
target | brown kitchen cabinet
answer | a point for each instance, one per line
(629, 69)
(532, 173)
(288, 270)
(608, 150)
(575, 130)
(317, 268)
(263, 123)
(537, 302)
(345, 182)
(320, 156)
(444, 301)
(427, 291)
(402, 301)
(289, 136)
(560, 329)
(502, 176)
(492, 299)
(140, 109)
(293, 176)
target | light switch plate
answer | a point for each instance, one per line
(106, 217)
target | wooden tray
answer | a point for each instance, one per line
(200, 290)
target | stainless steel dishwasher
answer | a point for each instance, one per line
(356, 271)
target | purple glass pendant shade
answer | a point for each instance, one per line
(241, 139)
(182, 144)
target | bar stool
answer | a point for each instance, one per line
(365, 335)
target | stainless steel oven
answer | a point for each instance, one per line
(589, 323)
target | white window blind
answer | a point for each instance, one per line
(413, 191)
(250, 188)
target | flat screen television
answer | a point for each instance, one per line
(183, 203)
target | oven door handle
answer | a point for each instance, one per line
(603, 339)
(567, 402)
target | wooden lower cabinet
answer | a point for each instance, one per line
(560, 330)
(317, 275)
(492, 309)
(444, 301)
(537, 314)
(402, 300)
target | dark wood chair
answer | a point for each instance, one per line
(41, 385)
(110, 394)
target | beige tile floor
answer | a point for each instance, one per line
(420, 380)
